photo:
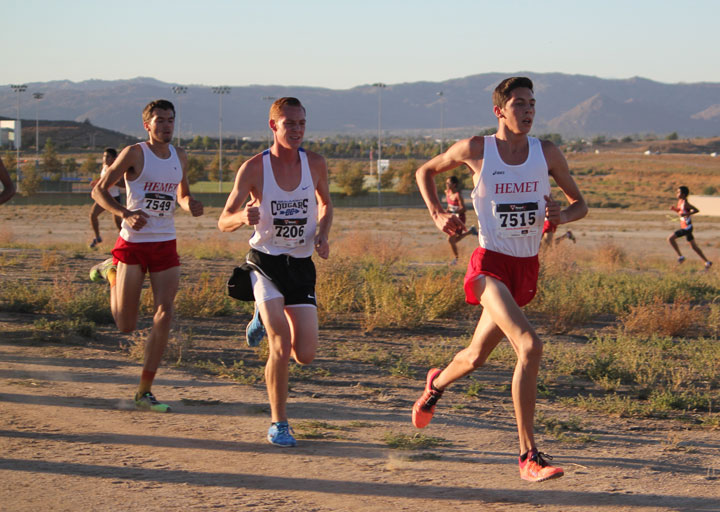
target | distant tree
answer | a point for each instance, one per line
(196, 143)
(350, 177)
(672, 136)
(10, 162)
(70, 166)
(627, 138)
(213, 168)
(488, 131)
(52, 165)
(406, 183)
(195, 169)
(555, 138)
(387, 177)
(208, 143)
(600, 139)
(90, 166)
(30, 180)
(236, 163)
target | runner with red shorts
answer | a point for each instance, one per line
(511, 197)
(155, 180)
(456, 206)
(548, 234)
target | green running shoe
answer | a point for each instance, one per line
(148, 402)
(99, 272)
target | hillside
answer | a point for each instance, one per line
(572, 105)
(72, 135)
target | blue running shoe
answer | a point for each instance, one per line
(255, 330)
(280, 434)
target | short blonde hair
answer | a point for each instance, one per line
(280, 103)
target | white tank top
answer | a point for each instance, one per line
(155, 193)
(114, 190)
(509, 200)
(288, 220)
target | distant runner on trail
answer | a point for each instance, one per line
(155, 179)
(291, 214)
(511, 197)
(456, 206)
(109, 156)
(8, 186)
(685, 210)
(548, 234)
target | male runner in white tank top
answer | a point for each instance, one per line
(291, 214)
(155, 179)
(511, 198)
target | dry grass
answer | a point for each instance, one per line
(658, 317)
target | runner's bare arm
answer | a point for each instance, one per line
(9, 186)
(691, 209)
(247, 183)
(318, 167)
(186, 201)
(559, 170)
(126, 164)
(459, 153)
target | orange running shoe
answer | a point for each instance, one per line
(536, 469)
(424, 408)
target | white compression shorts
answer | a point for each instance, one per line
(265, 290)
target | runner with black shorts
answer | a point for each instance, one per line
(155, 179)
(291, 214)
(685, 210)
(511, 198)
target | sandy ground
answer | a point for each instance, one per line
(70, 440)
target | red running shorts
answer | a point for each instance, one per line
(520, 275)
(151, 256)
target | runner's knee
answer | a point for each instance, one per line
(163, 315)
(530, 349)
(279, 349)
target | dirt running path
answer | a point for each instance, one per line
(69, 440)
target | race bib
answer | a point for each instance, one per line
(158, 205)
(289, 232)
(514, 220)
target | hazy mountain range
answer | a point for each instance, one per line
(572, 105)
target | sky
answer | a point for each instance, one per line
(341, 44)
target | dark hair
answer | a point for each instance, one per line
(504, 90)
(454, 180)
(111, 151)
(280, 103)
(684, 190)
(147, 112)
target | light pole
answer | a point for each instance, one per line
(442, 119)
(18, 130)
(38, 96)
(272, 99)
(380, 86)
(179, 89)
(220, 91)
